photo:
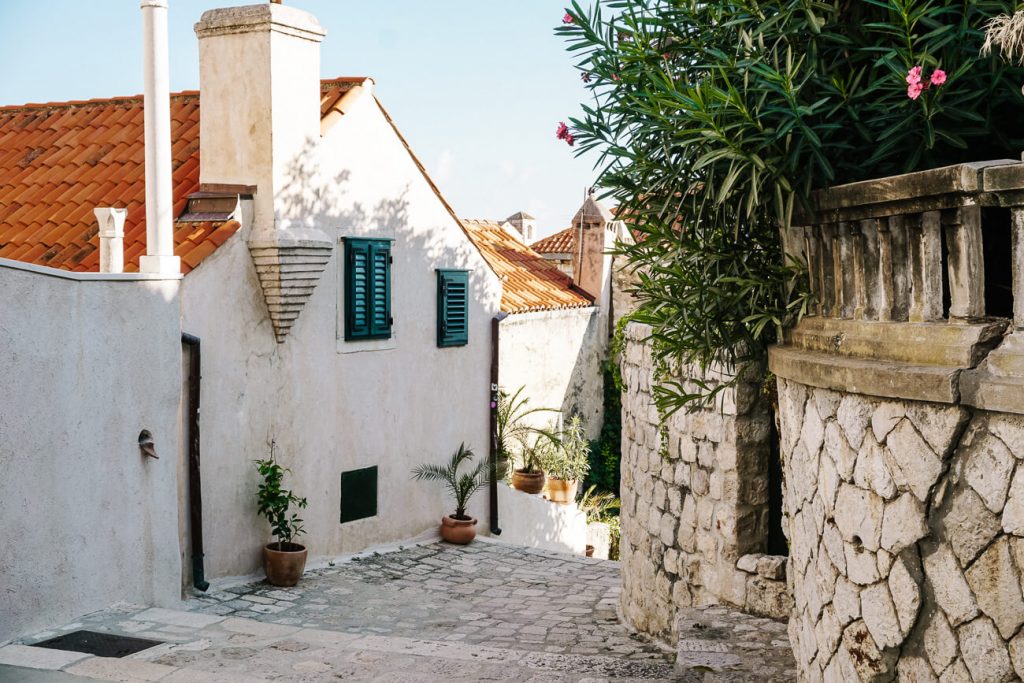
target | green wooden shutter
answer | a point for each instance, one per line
(380, 290)
(452, 307)
(367, 289)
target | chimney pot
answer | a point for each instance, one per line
(111, 238)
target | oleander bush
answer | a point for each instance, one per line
(714, 121)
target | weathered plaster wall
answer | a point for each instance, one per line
(85, 520)
(905, 522)
(530, 520)
(556, 356)
(694, 501)
(333, 405)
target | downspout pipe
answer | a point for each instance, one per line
(195, 488)
(495, 347)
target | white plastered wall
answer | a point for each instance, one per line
(85, 519)
(333, 405)
(556, 356)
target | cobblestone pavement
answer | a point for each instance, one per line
(735, 646)
(487, 611)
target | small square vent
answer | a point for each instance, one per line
(358, 494)
(98, 644)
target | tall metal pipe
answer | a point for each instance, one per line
(159, 256)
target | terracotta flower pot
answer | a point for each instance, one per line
(590, 550)
(528, 482)
(284, 567)
(460, 531)
(562, 490)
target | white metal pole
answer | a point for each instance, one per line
(159, 256)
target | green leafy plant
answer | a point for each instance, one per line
(275, 501)
(534, 453)
(598, 505)
(715, 121)
(569, 456)
(460, 486)
(516, 436)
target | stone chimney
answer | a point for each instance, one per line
(594, 238)
(525, 225)
(259, 80)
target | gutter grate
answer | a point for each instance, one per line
(98, 644)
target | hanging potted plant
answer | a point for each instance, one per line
(567, 463)
(283, 560)
(459, 527)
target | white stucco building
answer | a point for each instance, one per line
(341, 309)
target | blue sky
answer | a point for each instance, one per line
(478, 88)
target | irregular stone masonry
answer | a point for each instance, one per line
(694, 501)
(906, 529)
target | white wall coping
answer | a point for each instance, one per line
(85, 277)
(525, 316)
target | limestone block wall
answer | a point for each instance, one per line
(694, 501)
(906, 529)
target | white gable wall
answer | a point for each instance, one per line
(332, 405)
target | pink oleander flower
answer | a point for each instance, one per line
(914, 90)
(914, 76)
(570, 140)
(567, 19)
(585, 77)
(615, 77)
(938, 77)
(563, 131)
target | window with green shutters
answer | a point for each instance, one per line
(452, 307)
(367, 289)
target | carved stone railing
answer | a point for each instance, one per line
(897, 269)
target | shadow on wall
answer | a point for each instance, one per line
(530, 520)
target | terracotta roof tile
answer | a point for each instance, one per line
(60, 160)
(529, 282)
(562, 242)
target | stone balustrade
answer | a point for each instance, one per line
(901, 398)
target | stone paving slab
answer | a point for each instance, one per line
(484, 612)
(728, 645)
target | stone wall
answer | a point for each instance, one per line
(694, 501)
(905, 522)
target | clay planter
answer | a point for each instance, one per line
(562, 490)
(459, 531)
(528, 482)
(590, 551)
(284, 567)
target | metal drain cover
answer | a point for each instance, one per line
(99, 644)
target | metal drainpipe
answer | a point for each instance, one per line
(495, 345)
(195, 490)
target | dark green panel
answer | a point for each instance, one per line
(358, 494)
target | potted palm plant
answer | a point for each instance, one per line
(513, 430)
(567, 463)
(457, 528)
(283, 560)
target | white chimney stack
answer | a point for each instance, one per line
(111, 238)
(159, 256)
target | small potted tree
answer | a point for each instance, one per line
(283, 560)
(530, 477)
(567, 463)
(458, 528)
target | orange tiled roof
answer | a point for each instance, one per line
(530, 282)
(59, 161)
(562, 242)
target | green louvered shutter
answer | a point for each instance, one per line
(380, 290)
(367, 289)
(452, 307)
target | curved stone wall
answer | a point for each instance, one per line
(694, 502)
(906, 528)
